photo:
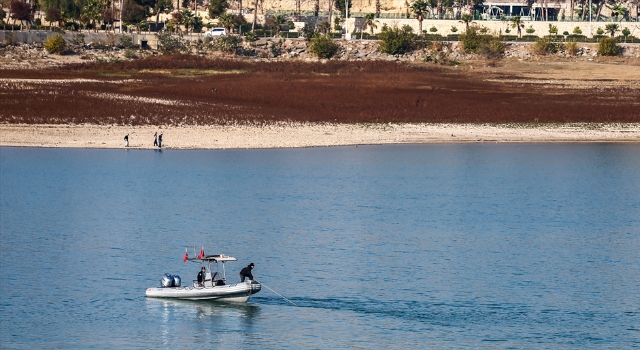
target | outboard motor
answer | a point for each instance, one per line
(167, 280)
(176, 281)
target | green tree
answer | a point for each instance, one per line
(626, 32)
(21, 11)
(162, 6)
(70, 9)
(278, 22)
(226, 20)
(396, 41)
(187, 19)
(618, 11)
(218, 7)
(53, 15)
(93, 10)
(322, 46)
(133, 14)
(370, 22)
(197, 24)
(612, 28)
(255, 14)
(323, 27)
(518, 23)
(419, 8)
(466, 19)
(340, 6)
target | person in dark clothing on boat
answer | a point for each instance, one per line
(246, 272)
(201, 276)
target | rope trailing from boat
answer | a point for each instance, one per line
(294, 304)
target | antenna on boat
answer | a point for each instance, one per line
(294, 304)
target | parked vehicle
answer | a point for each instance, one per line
(216, 32)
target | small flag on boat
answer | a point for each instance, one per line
(186, 256)
(201, 255)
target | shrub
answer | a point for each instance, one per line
(544, 46)
(168, 43)
(454, 29)
(397, 41)
(250, 37)
(565, 33)
(226, 43)
(529, 38)
(438, 52)
(576, 37)
(571, 47)
(323, 47)
(577, 31)
(600, 31)
(485, 45)
(130, 54)
(126, 42)
(433, 29)
(308, 32)
(493, 48)
(530, 30)
(608, 47)
(55, 44)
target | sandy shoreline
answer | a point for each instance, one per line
(306, 135)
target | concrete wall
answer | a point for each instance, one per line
(541, 28)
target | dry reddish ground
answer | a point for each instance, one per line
(188, 90)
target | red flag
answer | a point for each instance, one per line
(201, 255)
(186, 256)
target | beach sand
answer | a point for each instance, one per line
(306, 135)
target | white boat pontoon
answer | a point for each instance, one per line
(214, 286)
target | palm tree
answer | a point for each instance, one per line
(466, 19)
(517, 23)
(93, 10)
(187, 18)
(162, 6)
(255, 14)
(612, 28)
(226, 20)
(618, 11)
(279, 21)
(323, 27)
(420, 8)
(370, 21)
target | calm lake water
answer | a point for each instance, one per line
(526, 246)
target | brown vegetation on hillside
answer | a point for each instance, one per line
(188, 90)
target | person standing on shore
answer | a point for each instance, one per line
(126, 140)
(160, 140)
(155, 139)
(246, 272)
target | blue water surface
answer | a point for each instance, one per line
(454, 246)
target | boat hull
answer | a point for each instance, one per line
(240, 292)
